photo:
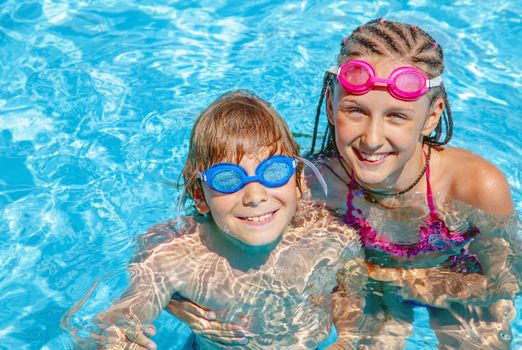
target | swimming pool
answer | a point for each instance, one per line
(97, 100)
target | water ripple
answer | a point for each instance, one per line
(97, 100)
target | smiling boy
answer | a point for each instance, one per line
(257, 251)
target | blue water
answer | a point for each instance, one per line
(97, 99)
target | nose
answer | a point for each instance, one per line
(373, 135)
(254, 194)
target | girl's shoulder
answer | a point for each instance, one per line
(469, 178)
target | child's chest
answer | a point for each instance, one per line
(298, 274)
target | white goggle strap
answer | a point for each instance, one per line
(434, 82)
(317, 174)
(334, 70)
(180, 202)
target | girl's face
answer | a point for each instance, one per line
(256, 215)
(379, 136)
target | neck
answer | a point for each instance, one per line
(240, 255)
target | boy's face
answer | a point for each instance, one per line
(255, 215)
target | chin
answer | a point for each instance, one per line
(370, 178)
(261, 243)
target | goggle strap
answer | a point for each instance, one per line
(334, 70)
(317, 174)
(180, 201)
(434, 82)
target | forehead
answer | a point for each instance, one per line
(384, 65)
(256, 156)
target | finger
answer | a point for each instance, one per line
(228, 341)
(220, 329)
(185, 308)
(134, 346)
(139, 339)
(149, 330)
(113, 338)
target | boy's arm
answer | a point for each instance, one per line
(348, 302)
(148, 293)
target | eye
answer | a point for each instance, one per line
(352, 110)
(397, 116)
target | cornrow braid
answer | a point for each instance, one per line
(399, 32)
(380, 37)
(413, 33)
(388, 40)
(327, 78)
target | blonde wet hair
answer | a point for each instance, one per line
(236, 124)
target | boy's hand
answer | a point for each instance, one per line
(128, 337)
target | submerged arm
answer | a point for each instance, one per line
(127, 320)
(439, 287)
(348, 304)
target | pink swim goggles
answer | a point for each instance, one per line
(404, 83)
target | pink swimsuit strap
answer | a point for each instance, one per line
(434, 235)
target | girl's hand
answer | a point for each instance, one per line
(203, 322)
(129, 337)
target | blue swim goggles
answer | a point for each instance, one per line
(273, 172)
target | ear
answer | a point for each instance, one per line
(199, 201)
(433, 118)
(329, 105)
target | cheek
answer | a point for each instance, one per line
(220, 204)
(344, 129)
(288, 193)
(405, 136)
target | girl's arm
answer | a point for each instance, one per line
(439, 287)
(431, 286)
(205, 320)
(348, 303)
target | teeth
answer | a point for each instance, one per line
(259, 218)
(374, 157)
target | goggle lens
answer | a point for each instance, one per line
(226, 180)
(356, 75)
(410, 82)
(276, 173)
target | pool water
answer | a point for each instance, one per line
(97, 99)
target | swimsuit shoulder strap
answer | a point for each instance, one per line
(429, 193)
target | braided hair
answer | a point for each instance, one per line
(384, 38)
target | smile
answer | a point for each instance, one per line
(371, 157)
(259, 220)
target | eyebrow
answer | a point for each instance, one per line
(365, 106)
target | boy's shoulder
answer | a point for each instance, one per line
(172, 237)
(315, 217)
